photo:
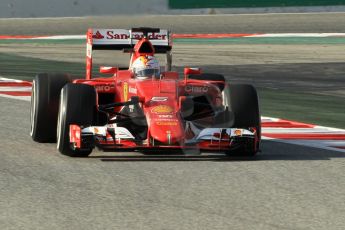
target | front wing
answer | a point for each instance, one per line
(112, 138)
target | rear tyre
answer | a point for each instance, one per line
(242, 102)
(44, 105)
(77, 106)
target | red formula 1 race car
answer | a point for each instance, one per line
(144, 107)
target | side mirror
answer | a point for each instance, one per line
(108, 70)
(189, 71)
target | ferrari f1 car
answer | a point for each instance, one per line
(195, 111)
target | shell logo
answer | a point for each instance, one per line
(162, 109)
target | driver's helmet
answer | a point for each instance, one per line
(146, 67)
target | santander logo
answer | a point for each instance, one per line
(98, 35)
(123, 35)
(135, 36)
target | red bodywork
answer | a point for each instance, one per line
(160, 101)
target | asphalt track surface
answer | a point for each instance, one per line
(284, 187)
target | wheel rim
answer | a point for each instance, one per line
(33, 109)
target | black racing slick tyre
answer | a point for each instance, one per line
(242, 101)
(44, 105)
(77, 106)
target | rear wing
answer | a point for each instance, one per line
(124, 39)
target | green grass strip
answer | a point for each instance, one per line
(25, 68)
(303, 107)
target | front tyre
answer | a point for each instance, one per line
(242, 100)
(77, 106)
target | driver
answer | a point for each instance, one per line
(146, 67)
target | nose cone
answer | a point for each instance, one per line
(167, 131)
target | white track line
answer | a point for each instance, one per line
(4, 79)
(22, 98)
(300, 35)
(301, 130)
